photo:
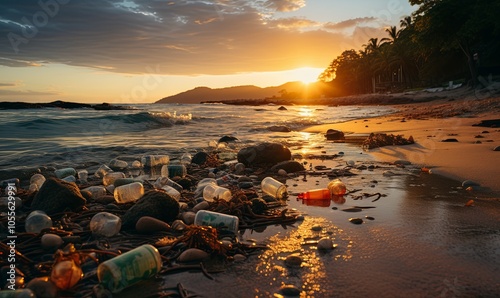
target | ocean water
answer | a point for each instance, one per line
(57, 137)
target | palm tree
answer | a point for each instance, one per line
(374, 45)
(406, 22)
(393, 34)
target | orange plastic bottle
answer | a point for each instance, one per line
(315, 194)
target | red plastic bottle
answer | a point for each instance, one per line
(315, 194)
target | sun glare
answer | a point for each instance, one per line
(307, 75)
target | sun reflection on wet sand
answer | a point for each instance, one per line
(311, 273)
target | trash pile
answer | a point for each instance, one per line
(85, 232)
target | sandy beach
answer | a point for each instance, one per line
(433, 125)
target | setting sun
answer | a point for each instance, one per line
(307, 75)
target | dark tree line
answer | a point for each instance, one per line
(442, 40)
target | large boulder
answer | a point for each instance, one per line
(264, 154)
(155, 203)
(57, 195)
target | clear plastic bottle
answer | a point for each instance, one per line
(337, 187)
(273, 188)
(105, 224)
(186, 158)
(36, 221)
(212, 191)
(177, 170)
(217, 220)
(129, 192)
(110, 178)
(102, 171)
(154, 160)
(96, 191)
(315, 194)
(36, 182)
(172, 192)
(162, 181)
(129, 268)
(83, 176)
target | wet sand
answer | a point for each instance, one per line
(422, 242)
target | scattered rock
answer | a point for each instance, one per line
(51, 241)
(43, 287)
(200, 158)
(282, 108)
(316, 228)
(192, 255)
(450, 140)
(369, 217)
(325, 244)
(497, 148)
(352, 209)
(356, 221)
(469, 183)
(56, 196)
(227, 139)
(290, 166)
(289, 290)
(294, 261)
(157, 204)
(334, 135)
(264, 154)
(148, 224)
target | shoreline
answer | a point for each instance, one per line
(445, 139)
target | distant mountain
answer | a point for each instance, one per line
(205, 94)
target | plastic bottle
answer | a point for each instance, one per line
(102, 171)
(110, 178)
(315, 194)
(217, 220)
(105, 224)
(337, 187)
(177, 170)
(38, 180)
(212, 191)
(155, 160)
(172, 192)
(96, 191)
(162, 181)
(125, 181)
(83, 176)
(36, 221)
(273, 187)
(129, 192)
(129, 268)
(186, 158)
(117, 164)
(62, 173)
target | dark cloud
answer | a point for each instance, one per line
(176, 37)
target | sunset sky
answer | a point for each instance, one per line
(138, 51)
